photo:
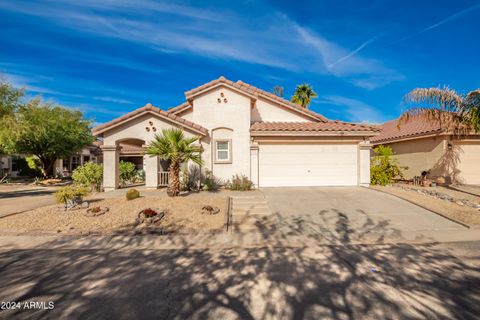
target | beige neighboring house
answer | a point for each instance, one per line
(423, 146)
(247, 131)
(63, 167)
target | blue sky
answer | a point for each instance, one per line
(110, 57)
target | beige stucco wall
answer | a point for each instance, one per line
(425, 154)
(266, 111)
(136, 129)
(233, 115)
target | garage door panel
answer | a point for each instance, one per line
(468, 162)
(307, 165)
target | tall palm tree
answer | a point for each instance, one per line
(443, 106)
(172, 145)
(303, 95)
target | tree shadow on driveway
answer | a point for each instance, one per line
(337, 281)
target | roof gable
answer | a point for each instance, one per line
(153, 110)
(248, 90)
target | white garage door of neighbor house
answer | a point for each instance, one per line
(292, 165)
(469, 162)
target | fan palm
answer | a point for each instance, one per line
(443, 106)
(174, 146)
(303, 95)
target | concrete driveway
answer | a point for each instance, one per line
(349, 214)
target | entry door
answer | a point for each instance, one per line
(282, 165)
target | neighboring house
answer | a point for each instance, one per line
(247, 131)
(423, 146)
(63, 167)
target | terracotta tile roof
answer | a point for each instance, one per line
(255, 92)
(414, 128)
(328, 126)
(126, 147)
(149, 108)
(182, 107)
(130, 148)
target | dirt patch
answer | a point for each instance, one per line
(183, 215)
(463, 214)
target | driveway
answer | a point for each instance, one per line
(347, 214)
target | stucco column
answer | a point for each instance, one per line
(152, 166)
(254, 163)
(364, 148)
(111, 173)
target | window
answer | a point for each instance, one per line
(75, 162)
(222, 151)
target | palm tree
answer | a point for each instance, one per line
(443, 106)
(172, 145)
(303, 95)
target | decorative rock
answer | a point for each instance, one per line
(149, 216)
(210, 210)
(84, 205)
(96, 211)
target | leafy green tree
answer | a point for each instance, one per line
(384, 168)
(172, 145)
(89, 175)
(128, 172)
(303, 95)
(443, 106)
(10, 101)
(47, 131)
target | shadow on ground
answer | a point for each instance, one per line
(344, 281)
(25, 193)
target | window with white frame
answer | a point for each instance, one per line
(222, 151)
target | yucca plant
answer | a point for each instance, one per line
(303, 95)
(454, 112)
(173, 145)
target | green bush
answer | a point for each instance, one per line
(89, 175)
(29, 167)
(128, 172)
(384, 169)
(70, 193)
(132, 194)
(210, 182)
(140, 176)
(240, 182)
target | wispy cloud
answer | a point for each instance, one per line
(114, 100)
(216, 34)
(442, 22)
(353, 110)
(357, 50)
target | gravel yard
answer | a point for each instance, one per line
(454, 210)
(184, 214)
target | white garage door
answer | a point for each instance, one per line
(469, 162)
(283, 165)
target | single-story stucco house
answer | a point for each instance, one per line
(423, 146)
(247, 131)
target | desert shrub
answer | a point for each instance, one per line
(132, 194)
(70, 193)
(190, 178)
(384, 168)
(128, 172)
(89, 175)
(210, 182)
(240, 182)
(140, 176)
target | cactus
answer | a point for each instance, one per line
(132, 194)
